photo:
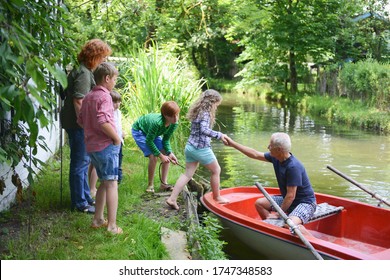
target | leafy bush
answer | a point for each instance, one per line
(210, 247)
(368, 81)
(32, 48)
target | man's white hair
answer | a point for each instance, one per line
(281, 140)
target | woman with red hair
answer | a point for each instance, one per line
(80, 82)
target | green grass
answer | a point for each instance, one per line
(49, 230)
(342, 110)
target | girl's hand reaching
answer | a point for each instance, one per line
(226, 140)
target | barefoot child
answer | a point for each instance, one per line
(198, 148)
(103, 144)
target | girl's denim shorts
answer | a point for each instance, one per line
(204, 156)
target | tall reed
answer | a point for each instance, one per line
(152, 76)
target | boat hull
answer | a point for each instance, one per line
(267, 245)
(345, 235)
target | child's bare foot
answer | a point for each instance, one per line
(221, 200)
(99, 223)
(116, 230)
(172, 204)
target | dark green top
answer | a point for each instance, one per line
(153, 125)
(80, 82)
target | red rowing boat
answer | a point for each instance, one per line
(341, 229)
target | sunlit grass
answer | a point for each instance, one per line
(342, 110)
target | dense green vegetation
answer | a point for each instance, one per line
(283, 43)
(172, 50)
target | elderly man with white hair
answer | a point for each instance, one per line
(297, 197)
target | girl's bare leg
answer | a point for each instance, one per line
(215, 170)
(180, 183)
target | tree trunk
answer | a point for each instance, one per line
(293, 73)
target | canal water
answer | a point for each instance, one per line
(361, 155)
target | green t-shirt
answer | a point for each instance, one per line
(80, 82)
(153, 125)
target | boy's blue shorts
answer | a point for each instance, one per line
(140, 139)
(106, 162)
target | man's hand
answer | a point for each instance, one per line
(227, 140)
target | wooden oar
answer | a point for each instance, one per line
(289, 222)
(374, 195)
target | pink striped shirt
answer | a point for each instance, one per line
(97, 109)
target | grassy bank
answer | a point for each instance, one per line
(43, 227)
(340, 110)
(345, 111)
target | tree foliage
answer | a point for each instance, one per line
(188, 27)
(280, 37)
(273, 41)
(32, 50)
(122, 24)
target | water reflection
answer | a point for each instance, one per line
(363, 156)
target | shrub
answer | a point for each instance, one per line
(368, 81)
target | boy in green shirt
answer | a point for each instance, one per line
(152, 133)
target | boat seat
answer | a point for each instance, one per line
(323, 210)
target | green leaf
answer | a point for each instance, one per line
(57, 73)
(28, 110)
(19, 3)
(42, 119)
(36, 74)
(37, 95)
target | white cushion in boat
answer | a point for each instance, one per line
(323, 210)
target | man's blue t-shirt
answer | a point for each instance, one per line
(291, 172)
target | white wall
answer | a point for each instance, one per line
(52, 136)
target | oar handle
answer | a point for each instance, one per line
(289, 222)
(374, 195)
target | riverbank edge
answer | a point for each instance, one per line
(352, 113)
